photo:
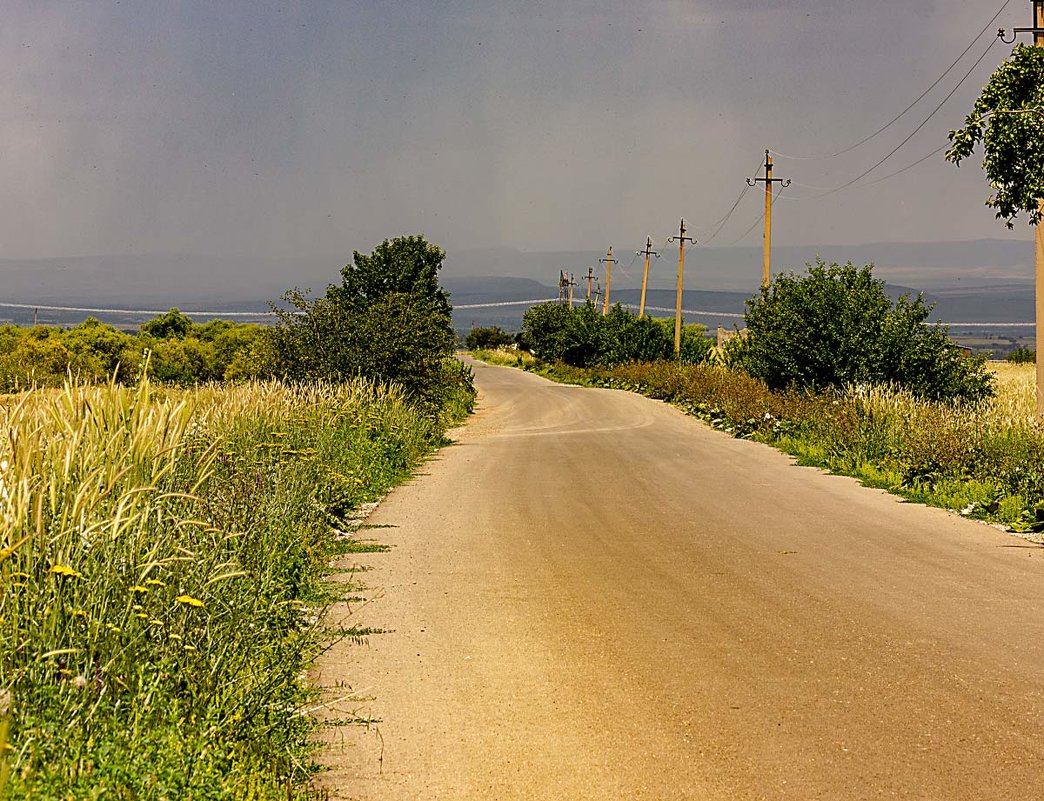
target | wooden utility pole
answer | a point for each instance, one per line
(608, 260)
(768, 180)
(590, 277)
(1038, 40)
(681, 240)
(645, 276)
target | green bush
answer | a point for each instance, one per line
(835, 326)
(182, 352)
(487, 338)
(388, 320)
(1022, 355)
(583, 337)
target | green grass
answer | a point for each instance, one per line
(163, 574)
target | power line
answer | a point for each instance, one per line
(915, 131)
(725, 219)
(757, 221)
(902, 113)
(900, 171)
(200, 313)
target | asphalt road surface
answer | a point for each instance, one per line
(592, 596)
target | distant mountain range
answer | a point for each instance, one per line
(975, 281)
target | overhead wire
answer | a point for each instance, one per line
(903, 143)
(718, 225)
(902, 113)
(761, 217)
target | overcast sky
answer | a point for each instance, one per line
(312, 128)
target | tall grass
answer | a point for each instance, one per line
(162, 555)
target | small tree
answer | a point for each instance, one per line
(1022, 355)
(487, 337)
(388, 320)
(172, 325)
(1008, 121)
(836, 326)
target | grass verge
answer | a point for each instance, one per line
(163, 563)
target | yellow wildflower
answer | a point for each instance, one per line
(138, 588)
(64, 570)
(188, 600)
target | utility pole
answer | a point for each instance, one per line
(563, 287)
(598, 294)
(768, 180)
(608, 260)
(681, 239)
(572, 283)
(1038, 40)
(36, 317)
(645, 276)
(590, 277)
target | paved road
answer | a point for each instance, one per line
(593, 596)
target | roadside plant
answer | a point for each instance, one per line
(834, 326)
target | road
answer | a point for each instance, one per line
(592, 596)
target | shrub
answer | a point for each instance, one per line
(388, 320)
(487, 338)
(584, 337)
(836, 326)
(1022, 355)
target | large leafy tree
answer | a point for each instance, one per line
(836, 326)
(407, 264)
(1008, 121)
(388, 320)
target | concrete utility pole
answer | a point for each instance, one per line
(681, 240)
(590, 277)
(768, 180)
(645, 276)
(572, 283)
(1038, 40)
(608, 260)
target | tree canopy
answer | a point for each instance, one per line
(388, 320)
(1008, 121)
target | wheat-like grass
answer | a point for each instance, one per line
(155, 549)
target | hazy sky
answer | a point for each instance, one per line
(312, 128)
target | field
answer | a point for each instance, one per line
(162, 578)
(1016, 387)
